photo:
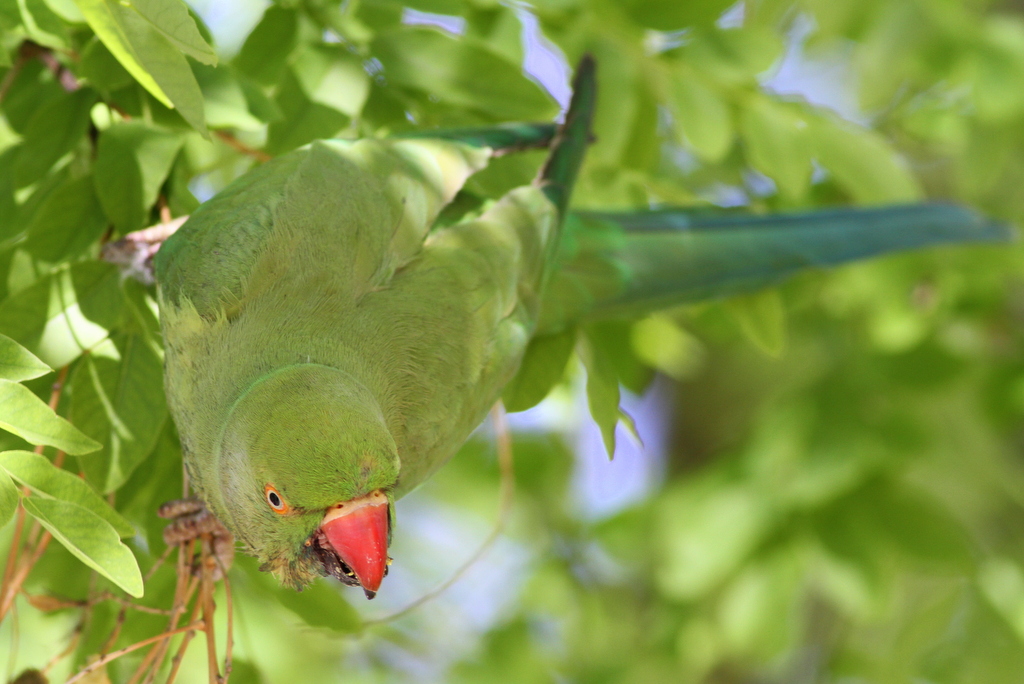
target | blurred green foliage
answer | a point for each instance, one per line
(839, 492)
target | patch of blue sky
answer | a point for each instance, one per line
(229, 22)
(452, 24)
(824, 78)
(602, 487)
(543, 61)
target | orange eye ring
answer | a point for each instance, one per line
(275, 500)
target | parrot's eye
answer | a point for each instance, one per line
(274, 499)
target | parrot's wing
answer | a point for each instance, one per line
(627, 264)
(358, 210)
(483, 279)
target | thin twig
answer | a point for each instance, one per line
(126, 604)
(12, 556)
(240, 146)
(48, 603)
(229, 606)
(156, 656)
(95, 665)
(12, 74)
(176, 660)
(182, 593)
(505, 499)
(206, 597)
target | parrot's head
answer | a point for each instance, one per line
(306, 470)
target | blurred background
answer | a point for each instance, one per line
(827, 480)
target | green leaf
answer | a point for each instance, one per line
(9, 498)
(660, 342)
(132, 162)
(45, 479)
(775, 135)
(151, 51)
(89, 538)
(68, 221)
(734, 56)
(702, 116)
(25, 414)
(259, 104)
(541, 369)
(18, 363)
(706, 528)
(119, 402)
(762, 318)
(42, 25)
(331, 76)
(66, 10)
(51, 133)
(602, 391)
(226, 103)
(862, 162)
(674, 15)
(172, 19)
(265, 52)
(463, 73)
(303, 120)
(101, 68)
(61, 315)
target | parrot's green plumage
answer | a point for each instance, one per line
(326, 343)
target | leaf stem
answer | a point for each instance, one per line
(240, 146)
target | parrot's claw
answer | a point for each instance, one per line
(190, 519)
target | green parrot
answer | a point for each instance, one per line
(330, 344)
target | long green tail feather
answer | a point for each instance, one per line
(627, 264)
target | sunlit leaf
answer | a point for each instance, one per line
(25, 414)
(146, 38)
(777, 145)
(90, 538)
(333, 78)
(18, 363)
(762, 318)
(225, 99)
(462, 73)
(9, 498)
(67, 222)
(61, 316)
(120, 403)
(702, 116)
(172, 20)
(45, 479)
(132, 162)
(863, 163)
(51, 133)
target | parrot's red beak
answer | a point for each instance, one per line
(358, 531)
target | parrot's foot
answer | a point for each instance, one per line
(190, 519)
(134, 253)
